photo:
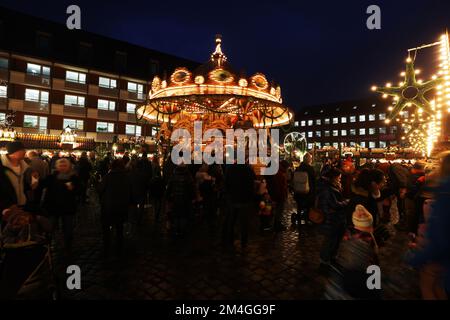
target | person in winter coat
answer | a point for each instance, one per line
(413, 201)
(306, 201)
(84, 168)
(278, 190)
(433, 258)
(180, 193)
(332, 204)
(115, 192)
(139, 186)
(366, 191)
(61, 199)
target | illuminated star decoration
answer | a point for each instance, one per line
(410, 92)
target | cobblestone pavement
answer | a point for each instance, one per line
(272, 266)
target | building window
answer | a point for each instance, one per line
(393, 130)
(318, 145)
(382, 144)
(154, 131)
(336, 145)
(343, 133)
(326, 144)
(302, 123)
(318, 122)
(131, 129)
(352, 118)
(131, 107)
(382, 130)
(371, 130)
(77, 101)
(362, 131)
(363, 144)
(105, 127)
(36, 122)
(327, 120)
(310, 134)
(135, 87)
(327, 133)
(372, 117)
(310, 122)
(296, 124)
(362, 118)
(2, 117)
(318, 134)
(3, 91)
(38, 70)
(107, 83)
(335, 120)
(73, 124)
(352, 143)
(372, 144)
(106, 105)
(382, 116)
(3, 63)
(343, 119)
(36, 95)
(310, 146)
(393, 143)
(353, 132)
(335, 133)
(77, 77)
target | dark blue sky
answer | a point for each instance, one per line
(319, 51)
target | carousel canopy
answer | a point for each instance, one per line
(214, 92)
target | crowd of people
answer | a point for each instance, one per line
(356, 209)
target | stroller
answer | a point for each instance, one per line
(26, 267)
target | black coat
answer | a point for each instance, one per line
(59, 200)
(115, 196)
(332, 203)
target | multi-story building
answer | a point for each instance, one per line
(350, 123)
(52, 77)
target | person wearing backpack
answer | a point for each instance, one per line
(304, 185)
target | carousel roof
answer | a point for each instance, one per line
(215, 87)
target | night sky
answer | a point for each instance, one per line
(319, 51)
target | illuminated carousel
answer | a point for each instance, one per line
(216, 95)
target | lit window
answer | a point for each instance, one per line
(393, 130)
(372, 144)
(310, 146)
(310, 122)
(371, 130)
(353, 119)
(78, 77)
(327, 120)
(353, 132)
(318, 145)
(335, 120)
(36, 122)
(372, 117)
(3, 63)
(310, 134)
(302, 123)
(326, 144)
(382, 144)
(38, 70)
(131, 129)
(362, 131)
(73, 124)
(296, 123)
(36, 95)
(335, 133)
(343, 119)
(105, 127)
(363, 144)
(335, 145)
(318, 134)
(107, 83)
(318, 122)
(135, 87)
(131, 107)
(352, 143)
(2, 116)
(382, 130)
(327, 133)
(106, 105)
(154, 131)
(70, 100)
(343, 133)
(393, 143)
(382, 116)
(362, 118)
(3, 91)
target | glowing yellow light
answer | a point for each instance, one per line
(373, 88)
(388, 84)
(384, 96)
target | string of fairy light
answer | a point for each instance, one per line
(420, 119)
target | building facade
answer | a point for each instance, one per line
(52, 77)
(359, 123)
